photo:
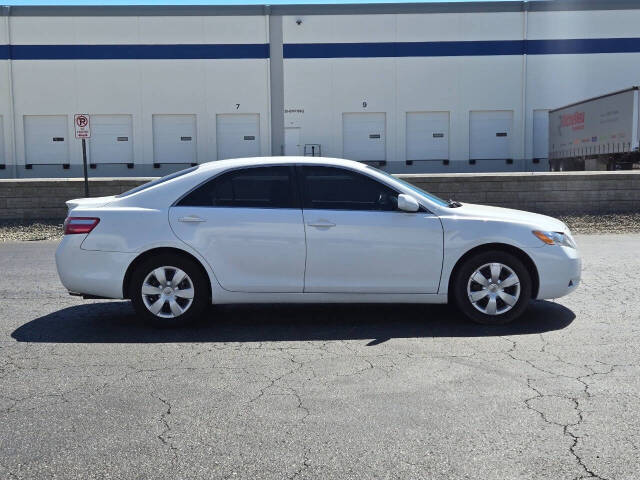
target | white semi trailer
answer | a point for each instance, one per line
(600, 133)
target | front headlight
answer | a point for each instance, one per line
(555, 238)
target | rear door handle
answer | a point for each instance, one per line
(191, 219)
(322, 224)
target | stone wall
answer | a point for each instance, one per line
(24, 199)
(554, 193)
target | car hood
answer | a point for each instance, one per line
(88, 202)
(480, 212)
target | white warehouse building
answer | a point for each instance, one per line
(433, 87)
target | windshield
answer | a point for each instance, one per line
(419, 191)
(157, 181)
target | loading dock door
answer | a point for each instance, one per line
(364, 136)
(490, 134)
(174, 139)
(111, 139)
(427, 135)
(540, 133)
(45, 140)
(292, 141)
(238, 135)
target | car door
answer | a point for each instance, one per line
(247, 224)
(359, 242)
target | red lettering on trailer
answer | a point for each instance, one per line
(573, 120)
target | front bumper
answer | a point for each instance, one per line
(91, 272)
(559, 270)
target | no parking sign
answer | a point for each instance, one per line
(83, 131)
(82, 125)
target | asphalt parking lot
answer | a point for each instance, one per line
(321, 392)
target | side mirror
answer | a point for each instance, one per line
(407, 203)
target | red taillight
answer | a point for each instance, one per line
(74, 225)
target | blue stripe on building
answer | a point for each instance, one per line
(138, 52)
(402, 49)
(583, 45)
(320, 50)
(455, 49)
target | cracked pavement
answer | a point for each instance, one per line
(283, 392)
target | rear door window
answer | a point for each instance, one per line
(256, 187)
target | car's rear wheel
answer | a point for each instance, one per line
(492, 287)
(169, 290)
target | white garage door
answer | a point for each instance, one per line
(427, 135)
(238, 135)
(540, 133)
(174, 139)
(363, 136)
(490, 134)
(45, 139)
(111, 139)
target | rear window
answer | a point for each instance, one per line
(257, 187)
(158, 181)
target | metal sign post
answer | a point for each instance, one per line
(84, 167)
(83, 131)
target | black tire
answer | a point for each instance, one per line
(469, 267)
(194, 279)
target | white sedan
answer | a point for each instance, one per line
(295, 229)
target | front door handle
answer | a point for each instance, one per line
(191, 219)
(322, 224)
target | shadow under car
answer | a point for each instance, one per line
(116, 322)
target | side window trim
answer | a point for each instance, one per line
(296, 193)
(296, 203)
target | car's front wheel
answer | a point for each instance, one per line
(492, 287)
(169, 290)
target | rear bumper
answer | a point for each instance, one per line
(559, 270)
(91, 272)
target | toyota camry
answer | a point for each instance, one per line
(308, 230)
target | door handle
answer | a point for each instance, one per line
(322, 224)
(191, 219)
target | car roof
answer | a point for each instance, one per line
(260, 161)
